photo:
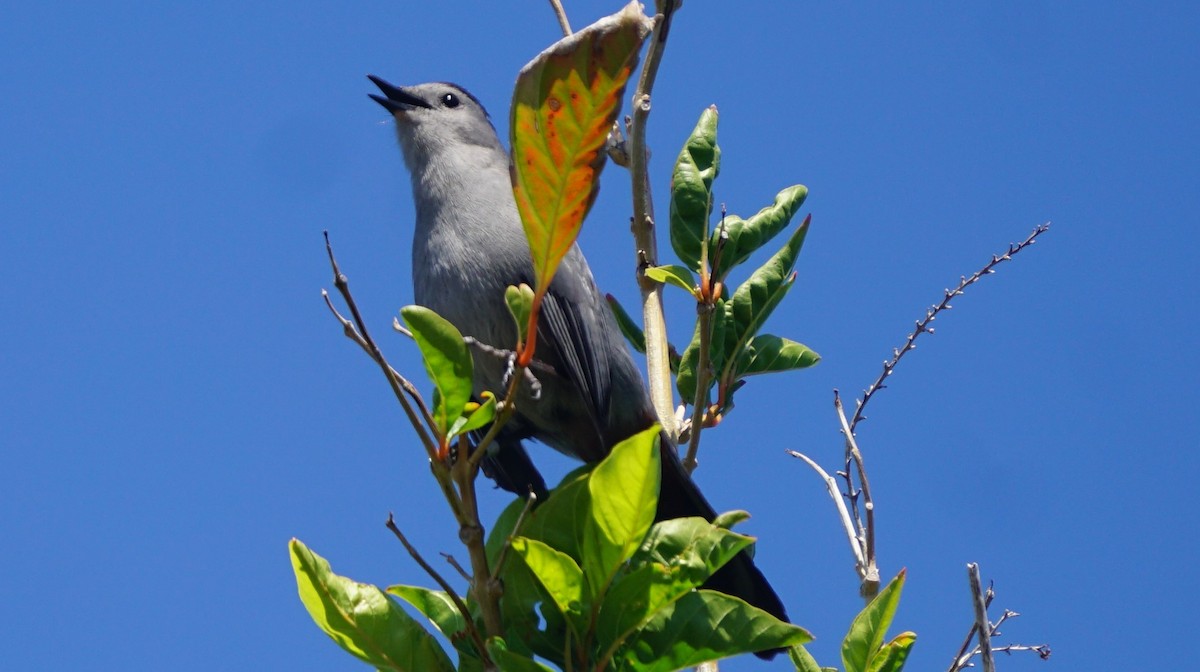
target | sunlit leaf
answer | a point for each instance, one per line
(673, 275)
(691, 189)
(767, 353)
(744, 236)
(447, 361)
(865, 638)
(559, 574)
(892, 656)
(623, 490)
(439, 609)
(362, 619)
(510, 661)
(565, 101)
(475, 415)
(706, 625)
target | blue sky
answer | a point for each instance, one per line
(177, 403)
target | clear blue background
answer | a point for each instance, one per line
(177, 402)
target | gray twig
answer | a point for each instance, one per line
(931, 314)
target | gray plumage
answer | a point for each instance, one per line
(469, 246)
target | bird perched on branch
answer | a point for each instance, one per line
(468, 247)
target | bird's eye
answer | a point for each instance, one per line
(450, 100)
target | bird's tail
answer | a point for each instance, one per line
(680, 498)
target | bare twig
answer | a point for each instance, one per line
(964, 654)
(472, 631)
(450, 560)
(869, 574)
(856, 545)
(967, 652)
(983, 629)
(922, 325)
(658, 362)
(358, 333)
(561, 14)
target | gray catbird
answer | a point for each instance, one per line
(468, 247)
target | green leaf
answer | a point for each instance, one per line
(509, 661)
(629, 329)
(566, 100)
(362, 619)
(892, 656)
(520, 305)
(706, 625)
(862, 643)
(676, 557)
(558, 522)
(753, 302)
(744, 236)
(447, 361)
(475, 415)
(559, 574)
(766, 354)
(685, 378)
(623, 489)
(691, 189)
(803, 660)
(673, 275)
(691, 548)
(437, 606)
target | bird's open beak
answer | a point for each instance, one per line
(397, 99)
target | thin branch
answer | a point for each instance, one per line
(472, 631)
(561, 14)
(450, 560)
(847, 524)
(658, 362)
(358, 333)
(922, 325)
(870, 572)
(982, 628)
(964, 654)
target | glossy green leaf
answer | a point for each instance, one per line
(510, 661)
(566, 100)
(753, 302)
(865, 638)
(691, 548)
(437, 606)
(766, 354)
(520, 304)
(744, 236)
(629, 329)
(559, 574)
(475, 415)
(705, 625)
(362, 619)
(676, 557)
(447, 361)
(892, 656)
(691, 189)
(558, 522)
(673, 275)
(685, 380)
(623, 489)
